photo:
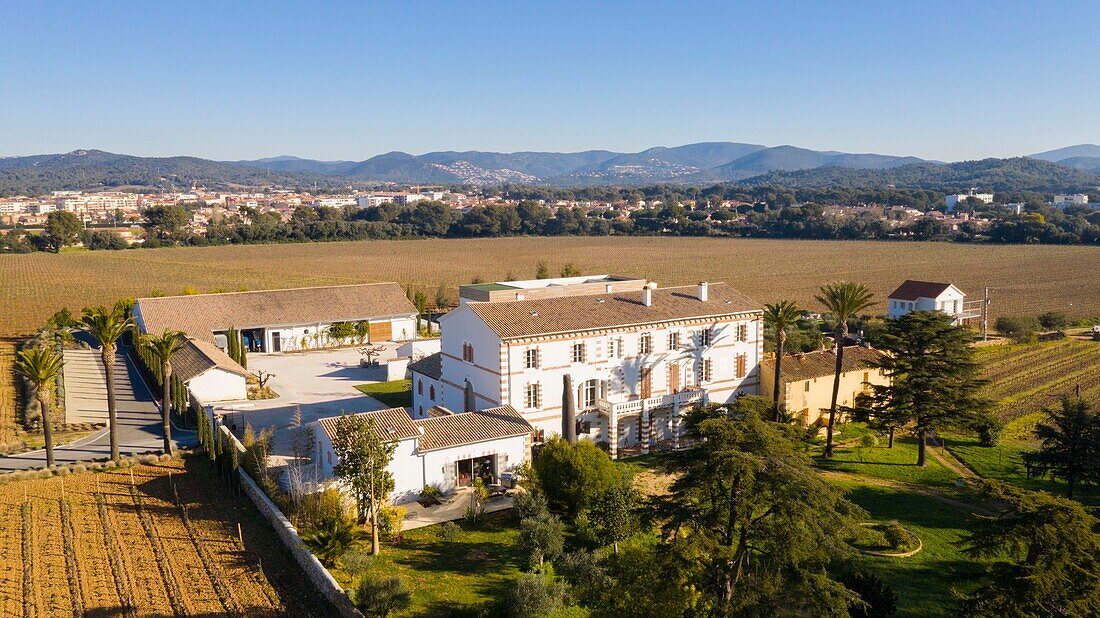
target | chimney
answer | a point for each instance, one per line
(520, 296)
(647, 296)
(607, 289)
(704, 291)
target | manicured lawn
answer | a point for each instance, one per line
(924, 581)
(449, 579)
(894, 464)
(396, 394)
(1004, 463)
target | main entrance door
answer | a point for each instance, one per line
(276, 342)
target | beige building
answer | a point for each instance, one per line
(806, 384)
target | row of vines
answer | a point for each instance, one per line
(1025, 378)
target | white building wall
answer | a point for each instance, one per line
(461, 326)
(313, 336)
(218, 385)
(619, 375)
(426, 392)
(412, 469)
(950, 301)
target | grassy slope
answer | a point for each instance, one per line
(924, 582)
(396, 394)
(448, 579)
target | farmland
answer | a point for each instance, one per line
(152, 540)
(7, 394)
(1027, 279)
(1025, 378)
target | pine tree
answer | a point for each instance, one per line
(934, 378)
(1070, 445)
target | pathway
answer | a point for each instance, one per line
(139, 421)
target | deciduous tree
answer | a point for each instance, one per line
(364, 466)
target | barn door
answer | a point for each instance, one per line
(380, 331)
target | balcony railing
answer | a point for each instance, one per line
(635, 406)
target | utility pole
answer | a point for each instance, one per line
(985, 316)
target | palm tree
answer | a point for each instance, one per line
(780, 316)
(844, 300)
(162, 349)
(40, 366)
(107, 325)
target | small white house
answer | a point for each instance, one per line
(929, 296)
(209, 374)
(444, 450)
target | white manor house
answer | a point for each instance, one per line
(615, 360)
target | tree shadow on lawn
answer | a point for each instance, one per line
(885, 504)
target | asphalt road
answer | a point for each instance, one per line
(139, 421)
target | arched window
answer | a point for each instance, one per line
(420, 387)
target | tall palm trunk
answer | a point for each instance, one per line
(108, 357)
(780, 341)
(165, 406)
(42, 393)
(842, 334)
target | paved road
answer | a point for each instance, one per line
(139, 422)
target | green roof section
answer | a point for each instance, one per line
(491, 287)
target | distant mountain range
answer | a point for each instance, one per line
(1072, 168)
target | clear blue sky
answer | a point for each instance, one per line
(348, 80)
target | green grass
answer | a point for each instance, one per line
(395, 394)
(892, 464)
(1004, 463)
(449, 579)
(924, 581)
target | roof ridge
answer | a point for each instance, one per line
(613, 293)
(304, 287)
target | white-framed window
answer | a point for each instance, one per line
(704, 337)
(705, 370)
(674, 340)
(531, 358)
(532, 395)
(590, 392)
(742, 332)
(578, 353)
(645, 343)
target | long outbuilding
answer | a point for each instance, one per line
(272, 321)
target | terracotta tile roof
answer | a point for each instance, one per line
(470, 427)
(199, 315)
(445, 430)
(430, 366)
(196, 357)
(798, 367)
(524, 318)
(394, 423)
(912, 290)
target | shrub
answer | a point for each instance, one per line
(324, 506)
(390, 519)
(330, 540)
(1053, 320)
(586, 574)
(881, 600)
(535, 595)
(356, 560)
(1017, 328)
(430, 491)
(381, 596)
(572, 474)
(896, 536)
(448, 531)
(541, 538)
(529, 504)
(989, 430)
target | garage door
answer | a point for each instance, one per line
(381, 331)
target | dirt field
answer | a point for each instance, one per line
(7, 394)
(1026, 279)
(95, 544)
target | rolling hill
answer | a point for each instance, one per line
(693, 164)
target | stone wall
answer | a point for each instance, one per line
(318, 575)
